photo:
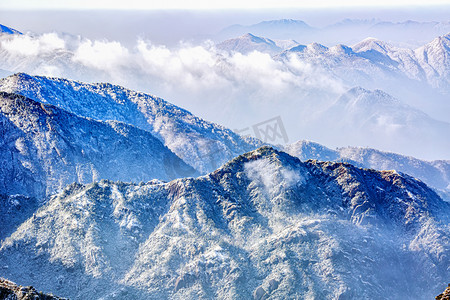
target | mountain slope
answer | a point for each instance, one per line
(202, 144)
(263, 225)
(45, 148)
(378, 120)
(435, 60)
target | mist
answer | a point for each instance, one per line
(184, 66)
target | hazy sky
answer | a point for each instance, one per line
(204, 4)
(170, 26)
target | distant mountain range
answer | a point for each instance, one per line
(263, 225)
(299, 84)
(360, 115)
(409, 33)
(141, 121)
(370, 59)
(276, 29)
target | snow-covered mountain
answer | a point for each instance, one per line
(435, 174)
(8, 30)
(371, 59)
(44, 148)
(378, 120)
(373, 63)
(264, 225)
(434, 58)
(409, 34)
(249, 42)
(203, 145)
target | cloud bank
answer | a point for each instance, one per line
(201, 78)
(233, 89)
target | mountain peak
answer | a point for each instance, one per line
(341, 50)
(317, 48)
(371, 43)
(248, 43)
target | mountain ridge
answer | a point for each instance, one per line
(45, 148)
(202, 144)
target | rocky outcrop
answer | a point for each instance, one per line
(445, 295)
(11, 291)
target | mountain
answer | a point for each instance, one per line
(434, 57)
(44, 148)
(369, 63)
(376, 63)
(248, 43)
(201, 144)
(396, 58)
(7, 30)
(375, 118)
(370, 59)
(264, 225)
(435, 174)
(406, 34)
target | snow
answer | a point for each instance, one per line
(179, 130)
(48, 148)
(304, 246)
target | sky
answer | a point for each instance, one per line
(207, 4)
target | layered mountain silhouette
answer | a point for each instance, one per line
(263, 225)
(201, 144)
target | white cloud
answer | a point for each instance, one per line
(27, 45)
(236, 90)
(101, 55)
